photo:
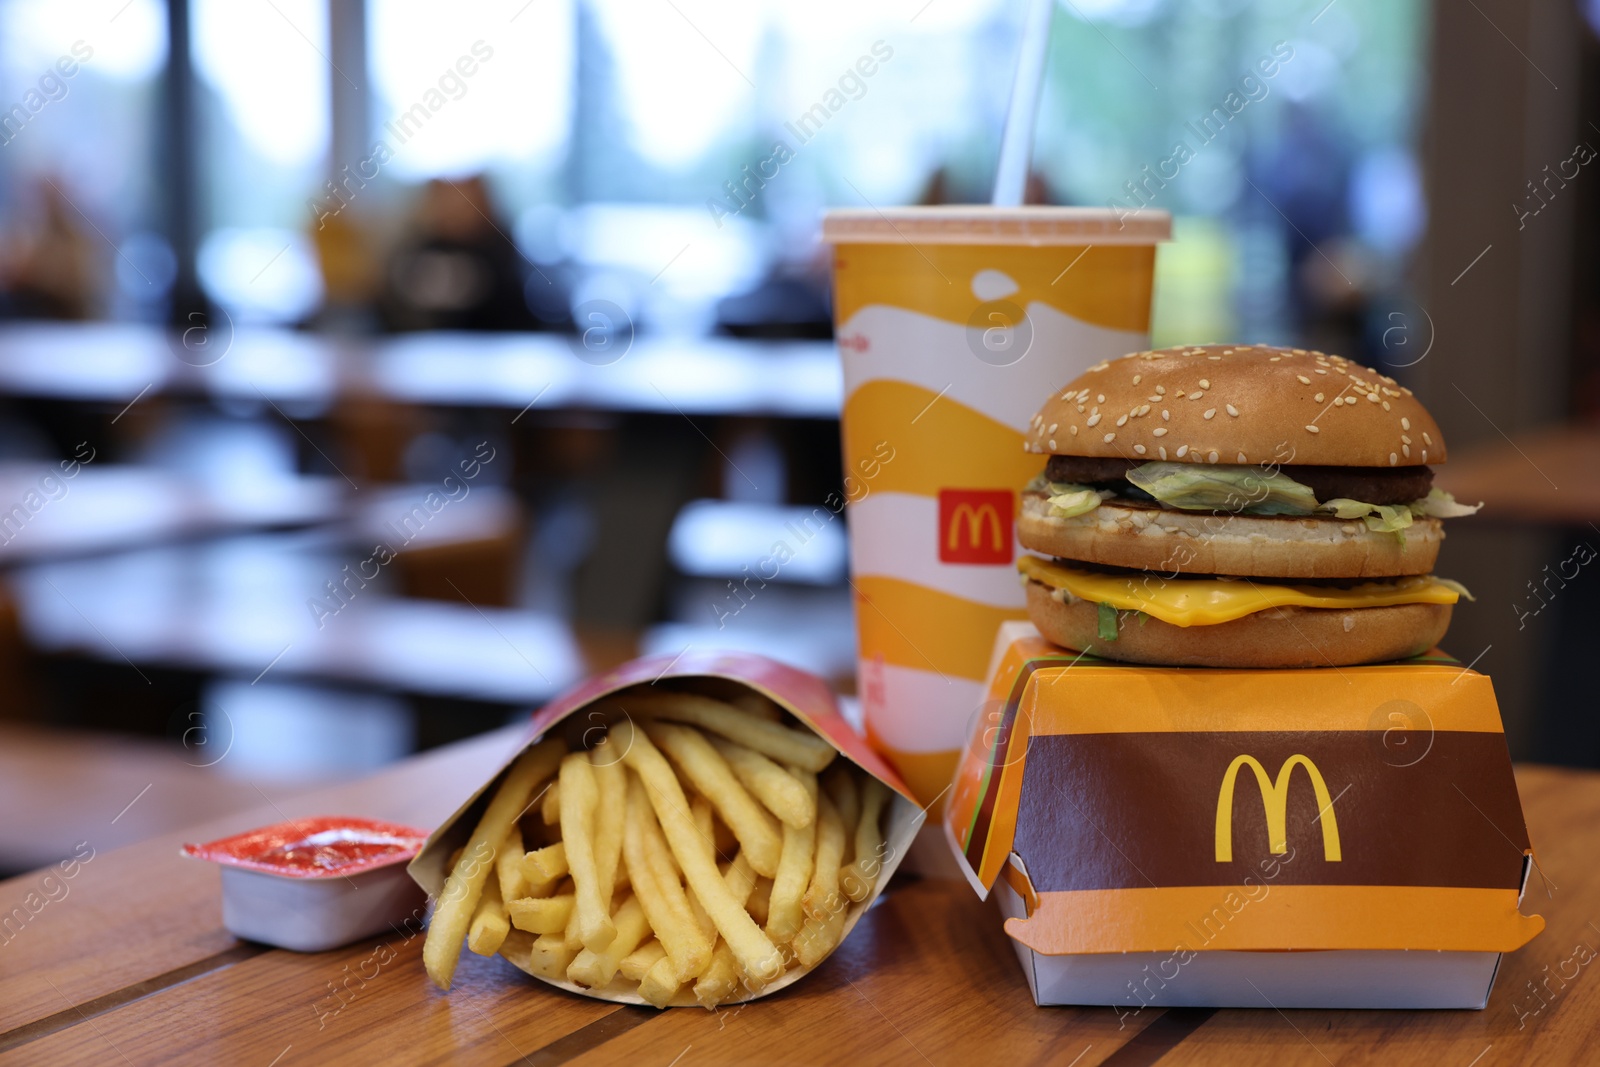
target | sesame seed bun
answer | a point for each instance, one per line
(1278, 637)
(1139, 535)
(1238, 404)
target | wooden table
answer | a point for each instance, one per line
(132, 966)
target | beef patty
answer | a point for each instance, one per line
(1370, 485)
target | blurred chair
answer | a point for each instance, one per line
(457, 267)
(53, 269)
(470, 549)
(373, 433)
(18, 696)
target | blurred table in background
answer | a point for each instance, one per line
(100, 508)
(304, 373)
(1550, 476)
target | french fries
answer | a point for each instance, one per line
(771, 739)
(779, 790)
(714, 779)
(580, 796)
(541, 915)
(695, 852)
(489, 923)
(457, 902)
(794, 872)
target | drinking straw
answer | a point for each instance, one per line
(1016, 143)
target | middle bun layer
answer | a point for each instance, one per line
(1147, 536)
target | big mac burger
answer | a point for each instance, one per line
(1237, 506)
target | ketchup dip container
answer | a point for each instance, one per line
(315, 884)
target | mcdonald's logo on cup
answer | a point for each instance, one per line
(1275, 799)
(975, 525)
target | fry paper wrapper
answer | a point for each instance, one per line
(803, 695)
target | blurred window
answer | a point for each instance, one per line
(264, 76)
(79, 103)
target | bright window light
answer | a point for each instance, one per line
(463, 87)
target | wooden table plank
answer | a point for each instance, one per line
(135, 913)
(924, 976)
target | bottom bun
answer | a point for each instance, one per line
(1277, 637)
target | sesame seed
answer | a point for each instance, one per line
(1386, 405)
(1109, 438)
(1080, 409)
(1161, 450)
(1338, 401)
(1161, 389)
(1094, 420)
(1196, 395)
(1240, 458)
(1302, 379)
(1136, 378)
(1122, 420)
(1393, 459)
(1322, 372)
(1053, 427)
(1182, 449)
(1218, 358)
(1209, 412)
(1372, 397)
(1165, 415)
(1026, 447)
(1144, 409)
(1426, 439)
(1275, 359)
(1154, 399)
(1231, 410)
(1139, 449)
(1073, 430)
(1406, 439)
(1160, 431)
(1101, 399)
(1311, 429)
(1205, 383)
(1318, 398)
(1406, 449)
(1052, 444)
(1212, 458)
(1424, 455)
(1405, 423)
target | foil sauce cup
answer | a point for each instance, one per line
(953, 325)
(723, 675)
(315, 884)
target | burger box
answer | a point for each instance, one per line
(1314, 838)
(720, 674)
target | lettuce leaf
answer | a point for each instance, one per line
(1221, 487)
(1439, 504)
(1067, 499)
(1380, 518)
(1108, 622)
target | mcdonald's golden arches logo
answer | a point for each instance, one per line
(975, 525)
(1275, 799)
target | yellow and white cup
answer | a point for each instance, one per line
(953, 325)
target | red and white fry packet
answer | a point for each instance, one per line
(718, 674)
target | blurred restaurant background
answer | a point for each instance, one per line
(371, 371)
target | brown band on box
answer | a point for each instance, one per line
(1157, 810)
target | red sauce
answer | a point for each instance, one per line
(322, 847)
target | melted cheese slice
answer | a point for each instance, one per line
(1206, 601)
